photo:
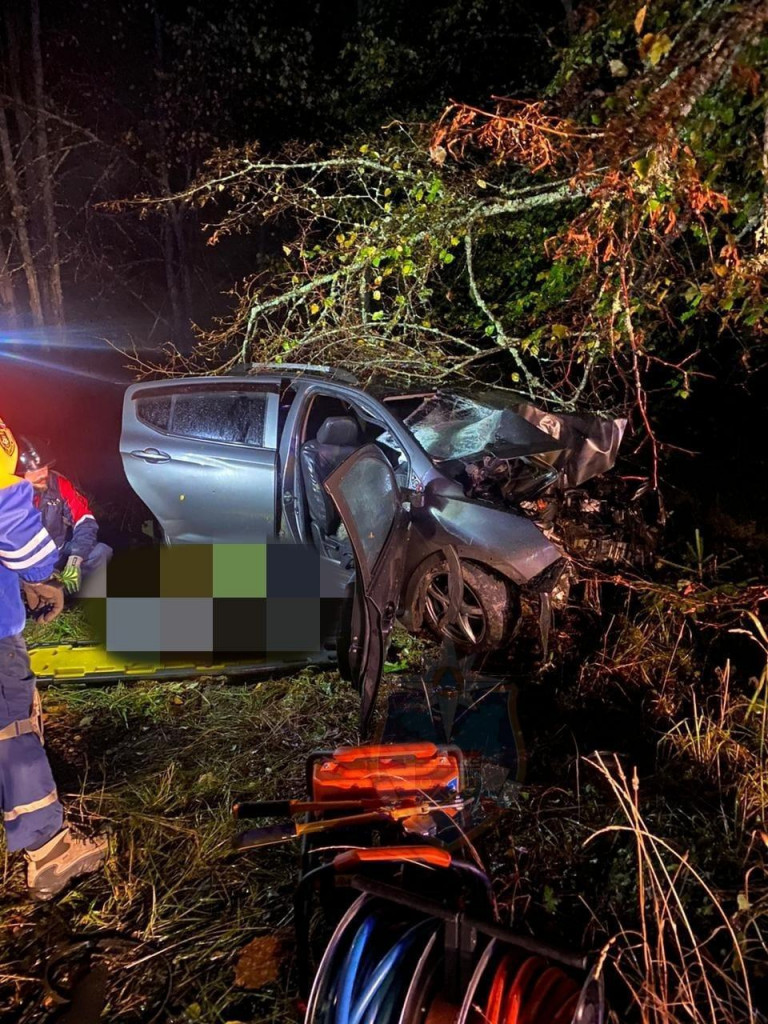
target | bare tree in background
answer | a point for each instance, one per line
(29, 241)
(56, 296)
(19, 215)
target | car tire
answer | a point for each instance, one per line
(490, 607)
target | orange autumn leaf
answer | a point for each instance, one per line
(259, 962)
(746, 78)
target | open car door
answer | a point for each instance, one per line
(369, 502)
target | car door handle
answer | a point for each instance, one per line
(151, 455)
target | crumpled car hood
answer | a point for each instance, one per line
(457, 425)
(589, 444)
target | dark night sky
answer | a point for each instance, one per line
(162, 83)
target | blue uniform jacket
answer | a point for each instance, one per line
(27, 551)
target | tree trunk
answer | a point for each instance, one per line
(49, 213)
(177, 319)
(8, 317)
(173, 240)
(762, 231)
(185, 276)
(19, 217)
(27, 169)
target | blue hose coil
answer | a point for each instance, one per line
(367, 987)
(381, 972)
(350, 969)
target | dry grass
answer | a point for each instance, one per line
(664, 869)
(675, 973)
(158, 766)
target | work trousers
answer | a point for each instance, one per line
(31, 810)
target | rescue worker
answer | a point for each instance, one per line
(33, 815)
(66, 513)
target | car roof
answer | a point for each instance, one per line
(292, 371)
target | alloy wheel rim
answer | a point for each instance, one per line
(470, 625)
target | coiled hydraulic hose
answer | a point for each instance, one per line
(373, 976)
(369, 986)
(528, 991)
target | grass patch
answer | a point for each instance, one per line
(158, 766)
(640, 830)
(70, 627)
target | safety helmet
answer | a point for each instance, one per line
(33, 454)
(9, 453)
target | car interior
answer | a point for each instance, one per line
(332, 431)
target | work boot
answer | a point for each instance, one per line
(50, 867)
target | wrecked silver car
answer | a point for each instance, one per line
(482, 440)
(476, 487)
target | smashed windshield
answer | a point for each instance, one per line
(452, 426)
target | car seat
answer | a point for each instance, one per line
(337, 439)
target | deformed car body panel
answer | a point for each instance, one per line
(509, 543)
(369, 502)
(449, 426)
(589, 444)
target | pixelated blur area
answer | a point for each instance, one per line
(217, 598)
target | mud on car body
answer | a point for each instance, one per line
(253, 455)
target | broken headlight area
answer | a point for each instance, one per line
(506, 481)
(611, 521)
(608, 520)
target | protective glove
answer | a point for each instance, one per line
(71, 575)
(45, 600)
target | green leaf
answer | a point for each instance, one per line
(550, 901)
(641, 167)
(654, 47)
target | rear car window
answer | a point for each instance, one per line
(234, 417)
(155, 412)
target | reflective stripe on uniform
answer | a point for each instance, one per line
(26, 548)
(29, 562)
(36, 805)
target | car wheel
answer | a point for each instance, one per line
(486, 614)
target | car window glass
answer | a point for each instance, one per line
(235, 418)
(452, 427)
(155, 412)
(369, 490)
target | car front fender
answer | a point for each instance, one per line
(508, 543)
